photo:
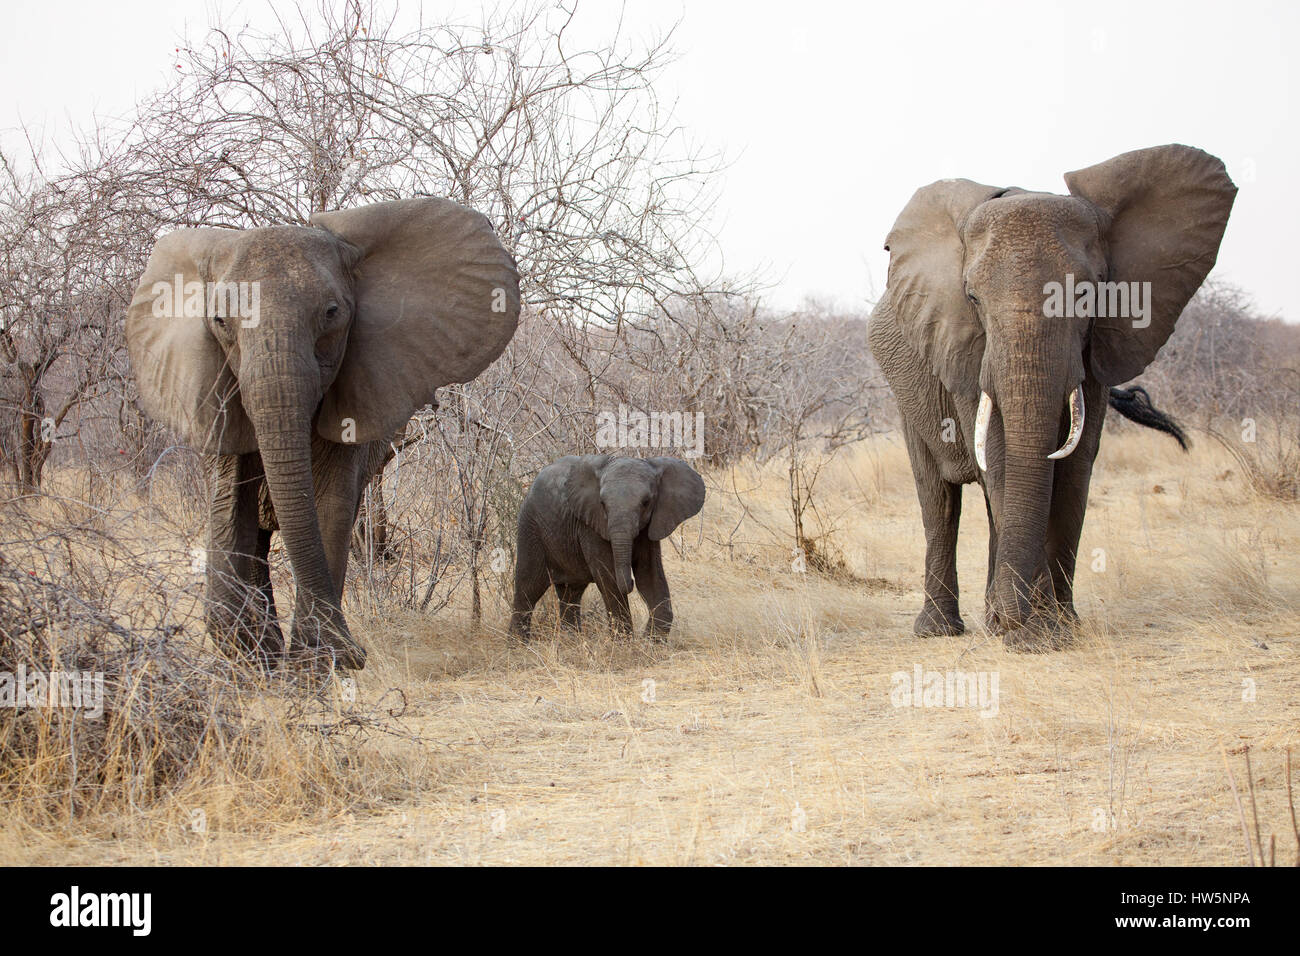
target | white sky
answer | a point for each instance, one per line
(831, 114)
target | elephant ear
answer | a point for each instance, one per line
(180, 369)
(437, 299)
(580, 490)
(681, 495)
(926, 290)
(1166, 209)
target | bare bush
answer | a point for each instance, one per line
(115, 702)
(1235, 376)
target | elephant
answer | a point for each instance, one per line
(288, 356)
(599, 518)
(991, 373)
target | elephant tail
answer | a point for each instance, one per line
(1135, 405)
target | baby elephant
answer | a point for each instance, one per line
(599, 518)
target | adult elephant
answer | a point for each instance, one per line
(289, 355)
(998, 384)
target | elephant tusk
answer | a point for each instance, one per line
(982, 418)
(1076, 424)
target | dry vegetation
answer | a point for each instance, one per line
(770, 705)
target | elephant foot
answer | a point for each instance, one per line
(569, 620)
(520, 629)
(1048, 615)
(1068, 615)
(1044, 635)
(330, 640)
(993, 620)
(322, 660)
(259, 643)
(934, 621)
(1029, 640)
(316, 666)
(268, 650)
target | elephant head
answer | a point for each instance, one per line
(972, 274)
(248, 340)
(619, 498)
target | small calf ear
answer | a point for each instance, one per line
(1165, 212)
(681, 495)
(581, 490)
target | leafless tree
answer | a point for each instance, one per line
(67, 269)
(566, 149)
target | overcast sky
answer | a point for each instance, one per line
(831, 114)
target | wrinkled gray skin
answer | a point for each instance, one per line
(362, 316)
(963, 313)
(595, 518)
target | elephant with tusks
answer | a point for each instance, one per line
(1011, 315)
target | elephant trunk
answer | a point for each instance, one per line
(620, 538)
(280, 397)
(1031, 421)
(1021, 563)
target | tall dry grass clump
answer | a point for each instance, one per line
(1268, 452)
(135, 717)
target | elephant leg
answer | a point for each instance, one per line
(531, 582)
(990, 612)
(570, 596)
(1062, 546)
(1070, 503)
(362, 548)
(272, 637)
(940, 514)
(648, 570)
(379, 454)
(620, 613)
(240, 611)
(340, 473)
(380, 523)
(372, 516)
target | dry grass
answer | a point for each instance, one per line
(763, 730)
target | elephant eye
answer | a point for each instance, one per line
(971, 296)
(332, 311)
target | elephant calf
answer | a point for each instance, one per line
(600, 518)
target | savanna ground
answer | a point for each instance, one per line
(768, 736)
